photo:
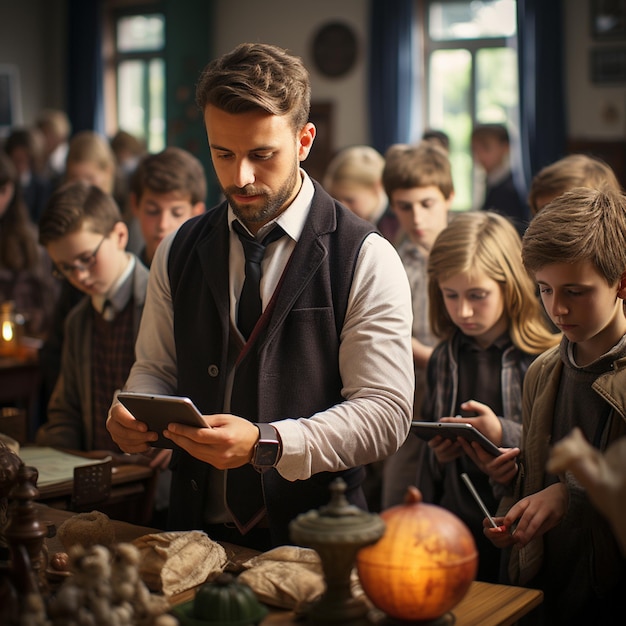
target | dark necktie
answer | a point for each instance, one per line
(244, 491)
(249, 309)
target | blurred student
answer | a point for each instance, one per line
(24, 146)
(128, 151)
(25, 269)
(91, 159)
(438, 137)
(56, 129)
(418, 183)
(574, 170)
(85, 236)
(354, 177)
(491, 150)
(166, 190)
(484, 309)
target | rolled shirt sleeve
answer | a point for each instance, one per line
(375, 361)
(376, 366)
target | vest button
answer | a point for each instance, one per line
(194, 485)
(213, 371)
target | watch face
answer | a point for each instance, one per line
(266, 454)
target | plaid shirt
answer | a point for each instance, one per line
(442, 382)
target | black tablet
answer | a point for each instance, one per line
(157, 411)
(428, 430)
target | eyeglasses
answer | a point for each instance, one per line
(64, 270)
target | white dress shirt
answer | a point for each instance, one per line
(375, 357)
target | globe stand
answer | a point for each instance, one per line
(447, 619)
(337, 532)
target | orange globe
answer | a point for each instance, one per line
(422, 566)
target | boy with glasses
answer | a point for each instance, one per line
(83, 231)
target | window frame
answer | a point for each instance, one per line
(114, 10)
(473, 46)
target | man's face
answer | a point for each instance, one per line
(160, 214)
(422, 213)
(256, 157)
(584, 306)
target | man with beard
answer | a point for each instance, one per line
(318, 385)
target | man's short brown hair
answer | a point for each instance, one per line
(255, 77)
(172, 170)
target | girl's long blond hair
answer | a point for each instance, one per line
(486, 242)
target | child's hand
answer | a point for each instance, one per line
(501, 537)
(538, 513)
(486, 421)
(502, 469)
(445, 450)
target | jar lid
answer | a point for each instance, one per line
(337, 522)
(222, 602)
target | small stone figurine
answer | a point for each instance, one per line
(105, 590)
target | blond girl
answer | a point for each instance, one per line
(482, 306)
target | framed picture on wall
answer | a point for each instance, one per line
(10, 103)
(608, 19)
(608, 65)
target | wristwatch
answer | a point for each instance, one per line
(268, 448)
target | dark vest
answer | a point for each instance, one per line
(295, 358)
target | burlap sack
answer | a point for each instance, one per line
(172, 562)
(287, 577)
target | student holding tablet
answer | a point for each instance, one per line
(482, 305)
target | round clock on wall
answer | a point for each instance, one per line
(334, 49)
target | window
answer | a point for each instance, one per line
(471, 76)
(137, 79)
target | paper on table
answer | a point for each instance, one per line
(53, 465)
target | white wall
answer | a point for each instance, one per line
(292, 24)
(594, 112)
(32, 37)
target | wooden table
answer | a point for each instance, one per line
(131, 496)
(484, 605)
(132, 491)
(20, 380)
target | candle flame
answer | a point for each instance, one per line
(7, 331)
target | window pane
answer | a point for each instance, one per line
(156, 123)
(140, 33)
(450, 110)
(130, 97)
(496, 85)
(471, 20)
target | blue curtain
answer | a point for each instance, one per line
(391, 81)
(541, 71)
(84, 65)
